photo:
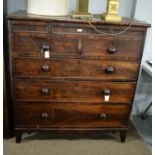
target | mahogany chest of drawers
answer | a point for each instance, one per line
(68, 77)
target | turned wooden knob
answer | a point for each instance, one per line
(45, 91)
(103, 116)
(110, 70)
(107, 92)
(45, 68)
(112, 50)
(45, 48)
(44, 115)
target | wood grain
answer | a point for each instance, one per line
(66, 92)
(67, 45)
(70, 115)
(30, 28)
(76, 69)
(75, 91)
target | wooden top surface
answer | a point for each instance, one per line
(23, 15)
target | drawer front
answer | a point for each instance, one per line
(30, 27)
(70, 115)
(32, 44)
(115, 47)
(86, 29)
(76, 68)
(78, 91)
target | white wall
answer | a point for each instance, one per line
(144, 91)
(95, 6)
(14, 5)
(144, 12)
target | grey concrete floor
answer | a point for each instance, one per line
(144, 128)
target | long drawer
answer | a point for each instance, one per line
(70, 115)
(76, 91)
(76, 68)
(116, 47)
(87, 30)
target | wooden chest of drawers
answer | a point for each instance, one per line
(63, 73)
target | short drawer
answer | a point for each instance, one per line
(86, 29)
(30, 28)
(76, 69)
(70, 115)
(73, 91)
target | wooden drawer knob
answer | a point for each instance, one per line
(44, 115)
(107, 92)
(103, 116)
(110, 70)
(45, 48)
(45, 68)
(45, 91)
(112, 50)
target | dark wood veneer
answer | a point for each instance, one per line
(70, 115)
(68, 45)
(76, 69)
(75, 91)
(65, 93)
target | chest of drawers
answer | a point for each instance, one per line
(68, 77)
